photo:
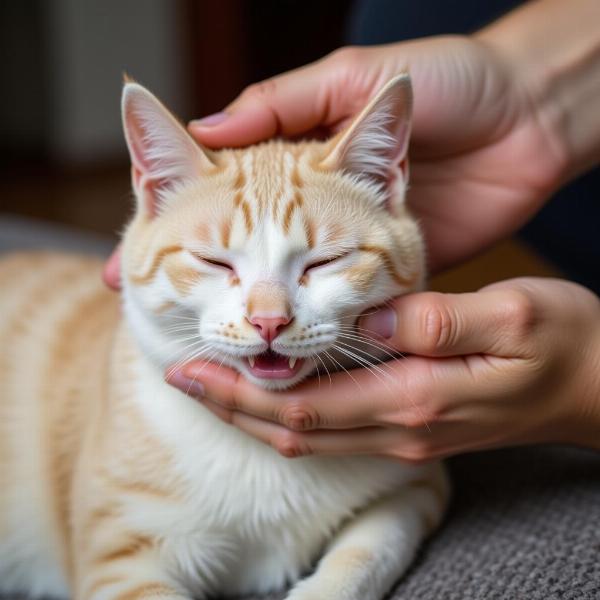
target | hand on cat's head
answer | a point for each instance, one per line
(470, 117)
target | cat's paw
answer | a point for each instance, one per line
(312, 590)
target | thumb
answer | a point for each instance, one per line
(289, 104)
(437, 325)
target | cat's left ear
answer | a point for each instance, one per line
(163, 155)
(375, 144)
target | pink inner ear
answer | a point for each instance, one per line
(136, 137)
(404, 168)
(146, 189)
(144, 184)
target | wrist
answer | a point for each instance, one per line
(552, 48)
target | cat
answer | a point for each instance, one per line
(113, 484)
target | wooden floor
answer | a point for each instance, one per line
(100, 201)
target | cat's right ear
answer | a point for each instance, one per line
(163, 155)
(375, 145)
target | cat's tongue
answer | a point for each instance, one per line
(271, 365)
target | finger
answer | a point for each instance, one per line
(111, 274)
(432, 324)
(351, 400)
(285, 105)
(293, 444)
(288, 105)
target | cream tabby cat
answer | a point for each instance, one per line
(114, 485)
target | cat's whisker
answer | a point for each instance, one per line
(184, 318)
(363, 364)
(365, 356)
(391, 377)
(325, 367)
(356, 330)
(187, 357)
(368, 342)
(318, 375)
(331, 358)
(208, 359)
(179, 327)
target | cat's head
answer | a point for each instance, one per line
(263, 258)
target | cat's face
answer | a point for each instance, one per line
(263, 258)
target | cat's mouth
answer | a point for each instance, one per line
(271, 365)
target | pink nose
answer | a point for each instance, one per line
(269, 327)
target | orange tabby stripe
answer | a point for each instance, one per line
(181, 276)
(104, 582)
(97, 517)
(137, 544)
(72, 336)
(147, 590)
(296, 201)
(158, 258)
(295, 178)
(225, 233)
(361, 276)
(388, 263)
(240, 180)
(247, 217)
(164, 307)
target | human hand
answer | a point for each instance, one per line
(482, 159)
(517, 362)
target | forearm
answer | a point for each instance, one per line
(554, 47)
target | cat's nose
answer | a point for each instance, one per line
(269, 327)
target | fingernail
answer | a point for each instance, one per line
(188, 386)
(211, 120)
(381, 323)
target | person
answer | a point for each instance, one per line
(502, 118)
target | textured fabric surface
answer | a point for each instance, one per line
(524, 524)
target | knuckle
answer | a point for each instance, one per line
(233, 400)
(438, 327)
(520, 312)
(261, 90)
(299, 417)
(415, 453)
(291, 445)
(415, 417)
(347, 56)
(421, 414)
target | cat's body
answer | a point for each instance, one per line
(114, 485)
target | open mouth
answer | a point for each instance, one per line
(270, 365)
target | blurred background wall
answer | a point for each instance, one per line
(63, 155)
(64, 158)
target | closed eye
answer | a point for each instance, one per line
(215, 263)
(324, 262)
